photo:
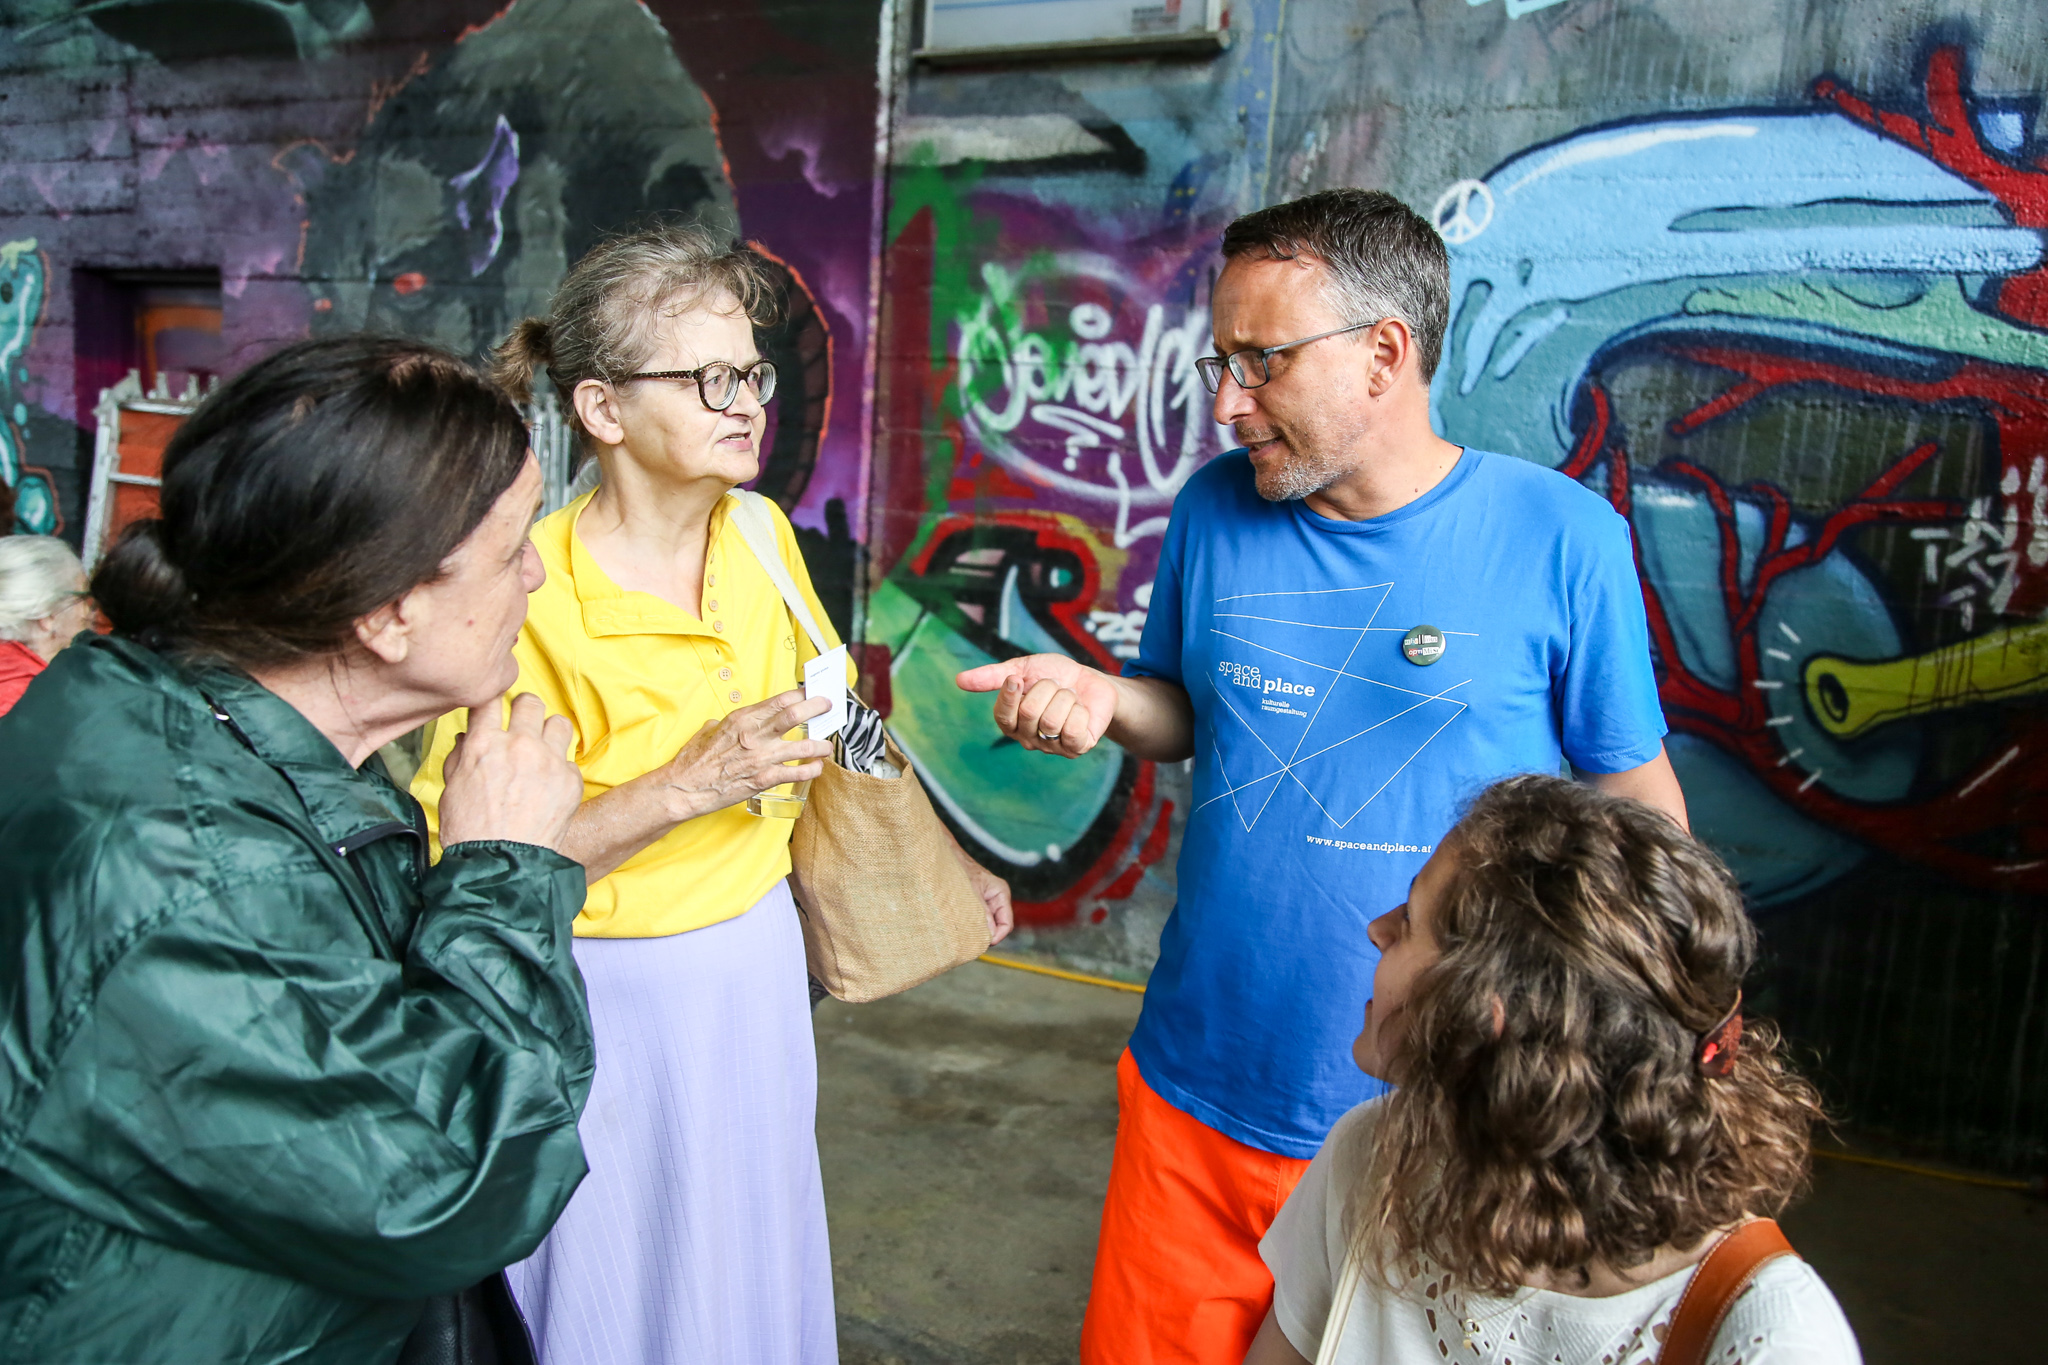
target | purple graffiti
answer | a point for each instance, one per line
(485, 185)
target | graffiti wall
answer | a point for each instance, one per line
(1769, 276)
(428, 167)
(1051, 242)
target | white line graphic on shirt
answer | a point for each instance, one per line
(1295, 760)
(1287, 766)
(1324, 592)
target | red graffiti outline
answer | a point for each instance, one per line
(1943, 831)
(1947, 831)
(1109, 871)
(1149, 853)
(1050, 536)
(824, 325)
(1949, 138)
(1065, 907)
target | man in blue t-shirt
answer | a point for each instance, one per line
(1356, 626)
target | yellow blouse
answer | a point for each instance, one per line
(639, 676)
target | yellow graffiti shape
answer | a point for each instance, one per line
(1850, 697)
(12, 252)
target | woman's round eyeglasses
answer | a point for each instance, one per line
(1248, 367)
(719, 382)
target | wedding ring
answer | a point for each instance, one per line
(1048, 738)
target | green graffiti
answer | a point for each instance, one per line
(959, 236)
(1022, 806)
(1926, 312)
(997, 355)
(1086, 393)
(21, 305)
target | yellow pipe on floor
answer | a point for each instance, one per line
(1993, 1182)
(1081, 977)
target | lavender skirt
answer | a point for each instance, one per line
(699, 1235)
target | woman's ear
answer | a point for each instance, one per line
(1500, 1018)
(597, 407)
(387, 632)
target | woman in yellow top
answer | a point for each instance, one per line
(699, 1235)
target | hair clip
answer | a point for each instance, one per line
(1719, 1044)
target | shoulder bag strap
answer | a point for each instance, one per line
(756, 526)
(863, 745)
(1340, 1309)
(1716, 1283)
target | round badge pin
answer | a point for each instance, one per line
(1423, 645)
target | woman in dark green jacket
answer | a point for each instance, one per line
(268, 1081)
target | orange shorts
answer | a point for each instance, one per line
(1178, 1279)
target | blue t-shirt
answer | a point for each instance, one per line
(1328, 764)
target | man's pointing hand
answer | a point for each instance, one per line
(1047, 702)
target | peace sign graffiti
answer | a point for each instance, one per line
(1463, 211)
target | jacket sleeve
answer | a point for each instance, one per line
(383, 1129)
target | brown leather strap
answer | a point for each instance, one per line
(1716, 1283)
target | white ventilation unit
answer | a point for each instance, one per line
(957, 31)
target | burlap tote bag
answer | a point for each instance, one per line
(884, 900)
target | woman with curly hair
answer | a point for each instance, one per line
(1583, 1120)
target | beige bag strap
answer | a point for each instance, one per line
(1340, 1309)
(756, 526)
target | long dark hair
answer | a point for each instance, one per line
(1577, 1125)
(306, 492)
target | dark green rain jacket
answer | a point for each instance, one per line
(266, 1080)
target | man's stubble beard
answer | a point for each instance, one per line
(1312, 462)
(1294, 477)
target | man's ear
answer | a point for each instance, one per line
(1393, 354)
(597, 407)
(1500, 1018)
(387, 632)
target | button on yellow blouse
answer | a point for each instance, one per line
(636, 675)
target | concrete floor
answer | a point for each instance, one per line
(966, 1127)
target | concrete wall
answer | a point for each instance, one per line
(1768, 274)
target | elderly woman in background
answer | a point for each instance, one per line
(699, 1238)
(272, 1086)
(43, 604)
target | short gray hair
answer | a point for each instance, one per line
(39, 575)
(601, 322)
(1384, 259)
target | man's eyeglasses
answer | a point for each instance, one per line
(1248, 367)
(719, 382)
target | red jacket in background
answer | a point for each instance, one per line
(18, 664)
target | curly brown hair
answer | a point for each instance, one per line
(1552, 1112)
